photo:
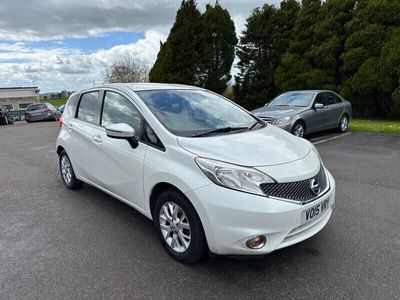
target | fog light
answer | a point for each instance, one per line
(256, 242)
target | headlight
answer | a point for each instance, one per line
(282, 121)
(233, 176)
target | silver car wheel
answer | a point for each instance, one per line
(66, 170)
(298, 130)
(175, 227)
(344, 124)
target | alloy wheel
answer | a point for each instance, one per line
(344, 124)
(66, 169)
(298, 130)
(175, 227)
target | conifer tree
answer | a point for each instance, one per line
(218, 39)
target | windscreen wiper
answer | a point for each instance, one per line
(222, 129)
(255, 124)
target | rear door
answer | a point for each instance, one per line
(80, 129)
(319, 119)
(118, 167)
(334, 107)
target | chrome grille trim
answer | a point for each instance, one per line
(298, 191)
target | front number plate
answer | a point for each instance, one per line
(314, 212)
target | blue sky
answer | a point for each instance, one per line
(64, 45)
(91, 43)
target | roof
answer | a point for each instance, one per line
(149, 86)
(307, 91)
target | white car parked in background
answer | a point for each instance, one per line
(211, 175)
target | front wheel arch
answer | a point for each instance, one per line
(301, 121)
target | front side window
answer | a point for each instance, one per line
(320, 99)
(194, 112)
(118, 109)
(89, 106)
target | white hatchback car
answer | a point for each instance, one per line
(212, 176)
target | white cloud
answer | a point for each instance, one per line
(60, 68)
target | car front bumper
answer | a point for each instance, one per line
(231, 217)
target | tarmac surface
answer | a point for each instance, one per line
(62, 244)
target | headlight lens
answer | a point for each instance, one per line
(282, 121)
(233, 176)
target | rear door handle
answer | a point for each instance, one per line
(97, 139)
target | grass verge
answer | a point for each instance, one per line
(376, 126)
(55, 101)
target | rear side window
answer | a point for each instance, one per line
(332, 98)
(36, 107)
(69, 110)
(89, 107)
(118, 109)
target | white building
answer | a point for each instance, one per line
(14, 98)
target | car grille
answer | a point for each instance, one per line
(299, 191)
(266, 120)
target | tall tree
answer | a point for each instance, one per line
(294, 68)
(218, 48)
(329, 38)
(125, 70)
(267, 35)
(178, 60)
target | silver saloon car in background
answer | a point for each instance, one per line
(40, 112)
(308, 111)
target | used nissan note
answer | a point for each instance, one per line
(213, 177)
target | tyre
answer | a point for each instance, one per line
(298, 129)
(179, 227)
(344, 124)
(67, 172)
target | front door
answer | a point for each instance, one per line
(118, 167)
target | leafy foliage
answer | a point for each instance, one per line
(267, 35)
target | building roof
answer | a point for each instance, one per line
(19, 92)
(19, 88)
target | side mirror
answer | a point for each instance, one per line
(318, 105)
(122, 131)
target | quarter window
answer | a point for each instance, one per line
(70, 106)
(118, 109)
(89, 106)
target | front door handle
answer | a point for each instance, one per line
(97, 139)
(69, 126)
